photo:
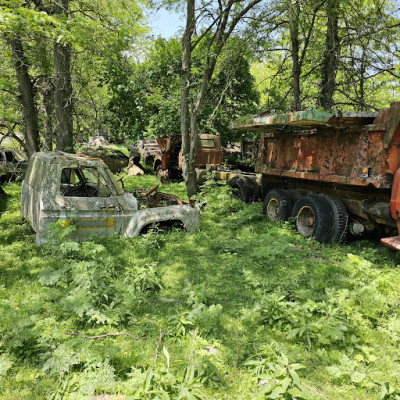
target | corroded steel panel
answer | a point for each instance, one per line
(56, 196)
(210, 155)
(207, 153)
(352, 149)
(303, 119)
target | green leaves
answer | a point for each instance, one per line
(280, 379)
(226, 311)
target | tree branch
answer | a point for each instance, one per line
(10, 133)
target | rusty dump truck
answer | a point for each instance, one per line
(333, 173)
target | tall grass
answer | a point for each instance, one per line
(242, 309)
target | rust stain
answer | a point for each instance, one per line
(351, 153)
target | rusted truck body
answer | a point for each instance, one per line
(169, 163)
(115, 159)
(339, 170)
(82, 190)
(147, 150)
(12, 164)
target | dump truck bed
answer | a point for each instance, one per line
(361, 149)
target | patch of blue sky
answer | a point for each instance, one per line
(165, 23)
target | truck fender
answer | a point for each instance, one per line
(189, 216)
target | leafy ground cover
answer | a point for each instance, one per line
(242, 309)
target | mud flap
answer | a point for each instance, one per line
(392, 242)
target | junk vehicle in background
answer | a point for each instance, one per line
(238, 159)
(12, 164)
(115, 160)
(146, 151)
(168, 164)
(334, 173)
(82, 190)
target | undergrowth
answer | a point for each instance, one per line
(243, 309)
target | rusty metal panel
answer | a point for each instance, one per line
(303, 119)
(58, 197)
(354, 149)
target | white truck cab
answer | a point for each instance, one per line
(67, 187)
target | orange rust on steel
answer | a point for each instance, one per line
(344, 180)
(207, 155)
(337, 154)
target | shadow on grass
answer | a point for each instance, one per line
(3, 200)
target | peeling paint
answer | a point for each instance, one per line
(94, 200)
(359, 148)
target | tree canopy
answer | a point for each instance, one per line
(245, 57)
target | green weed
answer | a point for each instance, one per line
(242, 309)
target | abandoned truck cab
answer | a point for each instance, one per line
(67, 187)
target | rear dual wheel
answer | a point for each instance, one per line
(244, 188)
(278, 204)
(321, 217)
(324, 218)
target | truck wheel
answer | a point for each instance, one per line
(340, 220)
(254, 189)
(294, 194)
(278, 205)
(313, 217)
(243, 188)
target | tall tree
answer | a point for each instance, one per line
(224, 19)
(27, 95)
(294, 14)
(331, 56)
(63, 88)
(189, 173)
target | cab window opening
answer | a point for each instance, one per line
(83, 182)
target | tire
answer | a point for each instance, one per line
(254, 189)
(340, 220)
(314, 217)
(278, 205)
(244, 188)
(294, 194)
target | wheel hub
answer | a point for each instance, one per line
(273, 211)
(305, 221)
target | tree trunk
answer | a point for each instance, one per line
(216, 44)
(293, 13)
(48, 103)
(63, 89)
(27, 96)
(332, 50)
(188, 168)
